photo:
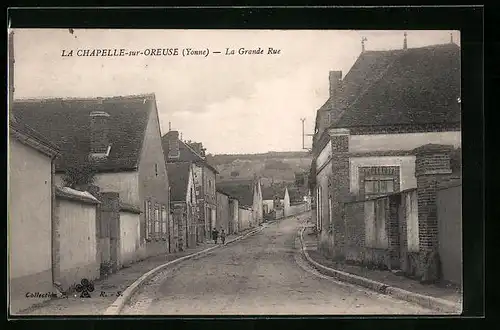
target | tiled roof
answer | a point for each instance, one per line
(369, 66)
(402, 87)
(66, 122)
(29, 132)
(178, 177)
(242, 190)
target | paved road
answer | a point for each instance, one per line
(262, 274)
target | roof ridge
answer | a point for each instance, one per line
(409, 49)
(95, 98)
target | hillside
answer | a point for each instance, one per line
(275, 169)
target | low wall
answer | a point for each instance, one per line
(129, 234)
(75, 244)
(449, 209)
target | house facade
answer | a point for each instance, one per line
(118, 139)
(387, 106)
(204, 176)
(30, 204)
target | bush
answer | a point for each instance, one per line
(79, 172)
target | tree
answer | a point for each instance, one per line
(80, 171)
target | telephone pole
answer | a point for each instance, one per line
(304, 135)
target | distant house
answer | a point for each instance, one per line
(390, 103)
(119, 137)
(257, 204)
(30, 204)
(204, 174)
(183, 202)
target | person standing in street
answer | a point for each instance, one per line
(222, 236)
(215, 233)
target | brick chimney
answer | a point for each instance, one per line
(99, 131)
(335, 82)
(173, 144)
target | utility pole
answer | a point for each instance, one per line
(304, 135)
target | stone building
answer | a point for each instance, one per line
(387, 106)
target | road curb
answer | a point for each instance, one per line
(422, 300)
(116, 307)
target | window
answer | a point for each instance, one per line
(147, 215)
(164, 220)
(380, 185)
(319, 209)
(157, 219)
(379, 180)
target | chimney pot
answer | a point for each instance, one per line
(335, 82)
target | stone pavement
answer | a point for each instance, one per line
(107, 290)
(387, 277)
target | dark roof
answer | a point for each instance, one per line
(29, 132)
(178, 178)
(401, 87)
(368, 67)
(66, 122)
(241, 190)
(186, 154)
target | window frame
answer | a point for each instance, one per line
(377, 184)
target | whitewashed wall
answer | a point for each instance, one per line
(245, 218)
(129, 236)
(77, 239)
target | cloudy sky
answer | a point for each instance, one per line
(233, 104)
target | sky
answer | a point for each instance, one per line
(233, 104)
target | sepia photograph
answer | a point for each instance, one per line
(233, 172)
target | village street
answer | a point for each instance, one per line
(262, 274)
